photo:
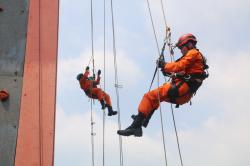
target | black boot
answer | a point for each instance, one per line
(135, 128)
(146, 120)
(103, 104)
(111, 111)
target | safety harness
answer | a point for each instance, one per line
(88, 91)
(194, 81)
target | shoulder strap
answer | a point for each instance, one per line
(204, 61)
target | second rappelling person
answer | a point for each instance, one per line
(89, 85)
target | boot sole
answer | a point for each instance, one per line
(112, 114)
(136, 134)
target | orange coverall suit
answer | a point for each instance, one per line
(190, 63)
(91, 90)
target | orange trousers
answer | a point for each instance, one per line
(150, 100)
(99, 94)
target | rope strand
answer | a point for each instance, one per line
(162, 126)
(116, 84)
(176, 134)
(163, 13)
(92, 101)
(168, 38)
(152, 22)
(157, 70)
(92, 37)
(104, 75)
(92, 134)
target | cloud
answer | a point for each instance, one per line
(73, 142)
(220, 141)
(228, 79)
(215, 23)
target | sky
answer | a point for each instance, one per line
(214, 130)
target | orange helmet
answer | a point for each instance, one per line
(186, 38)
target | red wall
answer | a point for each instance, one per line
(36, 132)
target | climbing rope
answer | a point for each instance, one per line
(92, 134)
(171, 105)
(157, 70)
(176, 134)
(92, 37)
(92, 100)
(116, 83)
(163, 13)
(167, 41)
(104, 85)
(162, 126)
(152, 22)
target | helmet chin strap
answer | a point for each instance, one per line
(190, 45)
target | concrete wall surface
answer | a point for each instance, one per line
(13, 30)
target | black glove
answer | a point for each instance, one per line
(87, 68)
(99, 72)
(160, 63)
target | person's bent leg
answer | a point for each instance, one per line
(151, 100)
(105, 101)
(97, 92)
(148, 104)
(109, 105)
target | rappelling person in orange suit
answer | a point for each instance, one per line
(187, 73)
(89, 85)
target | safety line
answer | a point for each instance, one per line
(92, 100)
(176, 134)
(104, 79)
(152, 22)
(92, 134)
(163, 13)
(168, 32)
(162, 126)
(158, 49)
(171, 105)
(103, 136)
(92, 37)
(116, 83)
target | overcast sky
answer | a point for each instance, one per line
(215, 130)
